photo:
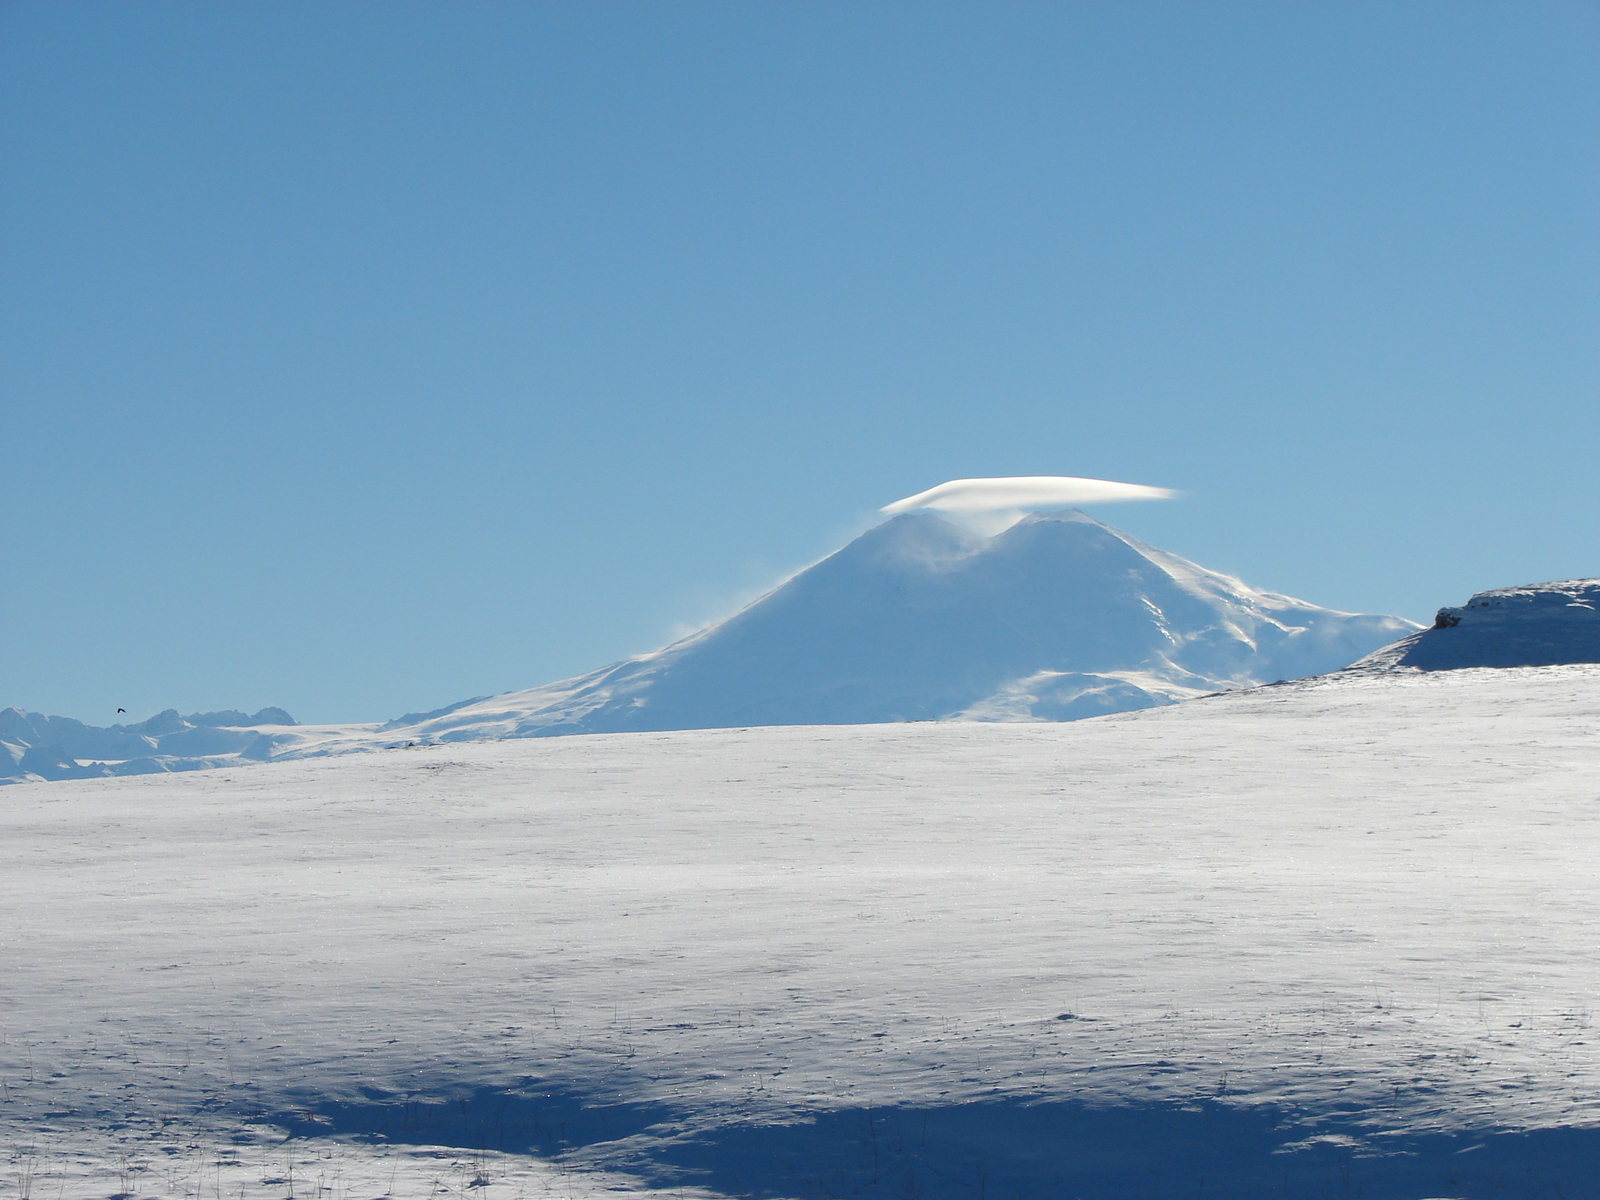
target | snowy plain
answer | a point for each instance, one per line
(1326, 938)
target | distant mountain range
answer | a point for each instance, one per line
(1058, 617)
(37, 746)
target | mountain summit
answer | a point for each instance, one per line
(1057, 617)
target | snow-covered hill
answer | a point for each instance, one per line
(1332, 938)
(1534, 625)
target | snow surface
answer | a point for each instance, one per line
(1327, 938)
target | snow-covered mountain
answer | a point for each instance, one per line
(1534, 625)
(34, 746)
(1056, 618)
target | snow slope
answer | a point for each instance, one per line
(1329, 938)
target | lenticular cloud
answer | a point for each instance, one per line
(1011, 497)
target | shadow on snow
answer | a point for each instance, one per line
(994, 1150)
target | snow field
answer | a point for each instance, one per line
(183, 1166)
(1364, 903)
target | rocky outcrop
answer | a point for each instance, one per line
(1532, 625)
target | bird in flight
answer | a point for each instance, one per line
(122, 710)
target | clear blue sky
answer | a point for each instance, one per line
(362, 357)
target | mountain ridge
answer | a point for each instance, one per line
(35, 746)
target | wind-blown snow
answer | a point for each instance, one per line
(1333, 937)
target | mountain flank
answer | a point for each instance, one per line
(1057, 618)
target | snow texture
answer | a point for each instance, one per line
(1330, 938)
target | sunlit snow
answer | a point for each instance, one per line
(1326, 938)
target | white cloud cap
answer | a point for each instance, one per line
(1024, 493)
